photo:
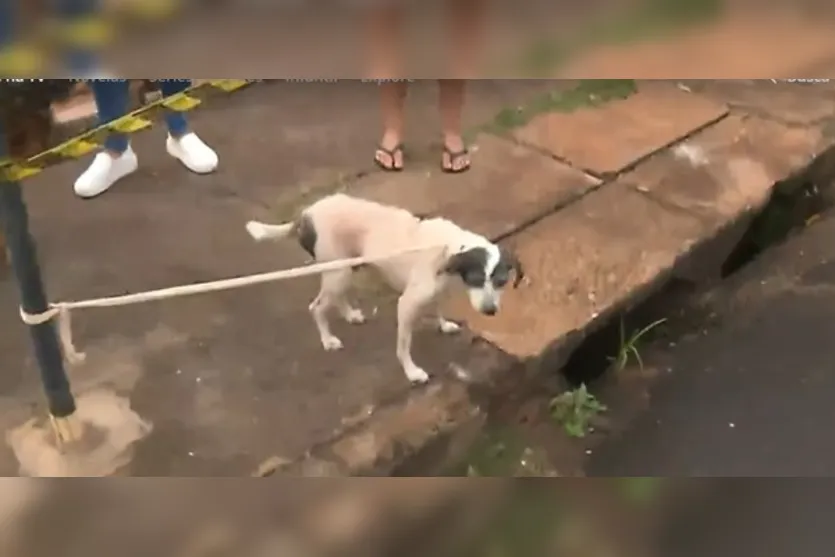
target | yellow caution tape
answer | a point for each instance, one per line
(77, 149)
(138, 120)
(180, 102)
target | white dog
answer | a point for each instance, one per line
(340, 227)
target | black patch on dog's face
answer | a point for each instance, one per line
(470, 265)
(307, 235)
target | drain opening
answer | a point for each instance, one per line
(787, 211)
(598, 353)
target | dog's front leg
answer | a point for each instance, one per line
(410, 305)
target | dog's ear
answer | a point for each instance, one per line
(464, 261)
(515, 265)
(456, 264)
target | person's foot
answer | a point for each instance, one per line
(192, 152)
(389, 154)
(456, 157)
(105, 170)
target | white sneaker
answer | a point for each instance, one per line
(105, 171)
(193, 153)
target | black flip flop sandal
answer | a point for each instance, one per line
(392, 155)
(453, 157)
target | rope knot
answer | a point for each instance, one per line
(64, 328)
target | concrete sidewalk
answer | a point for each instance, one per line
(237, 381)
(226, 380)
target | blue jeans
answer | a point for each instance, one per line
(112, 98)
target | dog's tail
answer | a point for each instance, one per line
(261, 231)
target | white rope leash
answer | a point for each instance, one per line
(61, 310)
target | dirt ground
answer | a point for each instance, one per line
(227, 379)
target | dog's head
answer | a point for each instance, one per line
(485, 271)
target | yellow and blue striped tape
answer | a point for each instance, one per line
(138, 120)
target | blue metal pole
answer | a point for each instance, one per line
(14, 220)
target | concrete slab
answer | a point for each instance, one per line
(581, 261)
(792, 103)
(728, 168)
(585, 258)
(608, 139)
(507, 186)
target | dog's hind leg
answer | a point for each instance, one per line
(349, 313)
(331, 294)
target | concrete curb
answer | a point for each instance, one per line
(435, 426)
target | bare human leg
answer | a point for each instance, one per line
(466, 23)
(385, 32)
(456, 158)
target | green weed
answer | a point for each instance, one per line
(575, 409)
(629, 346)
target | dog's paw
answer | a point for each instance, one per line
(354, 316)
(416, 375)
(331, 343)
(448, 327)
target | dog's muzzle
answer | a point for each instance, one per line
(489, 309)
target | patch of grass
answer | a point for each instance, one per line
(629, 346)
(588, 93)
(651, 19)
(575, 409)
